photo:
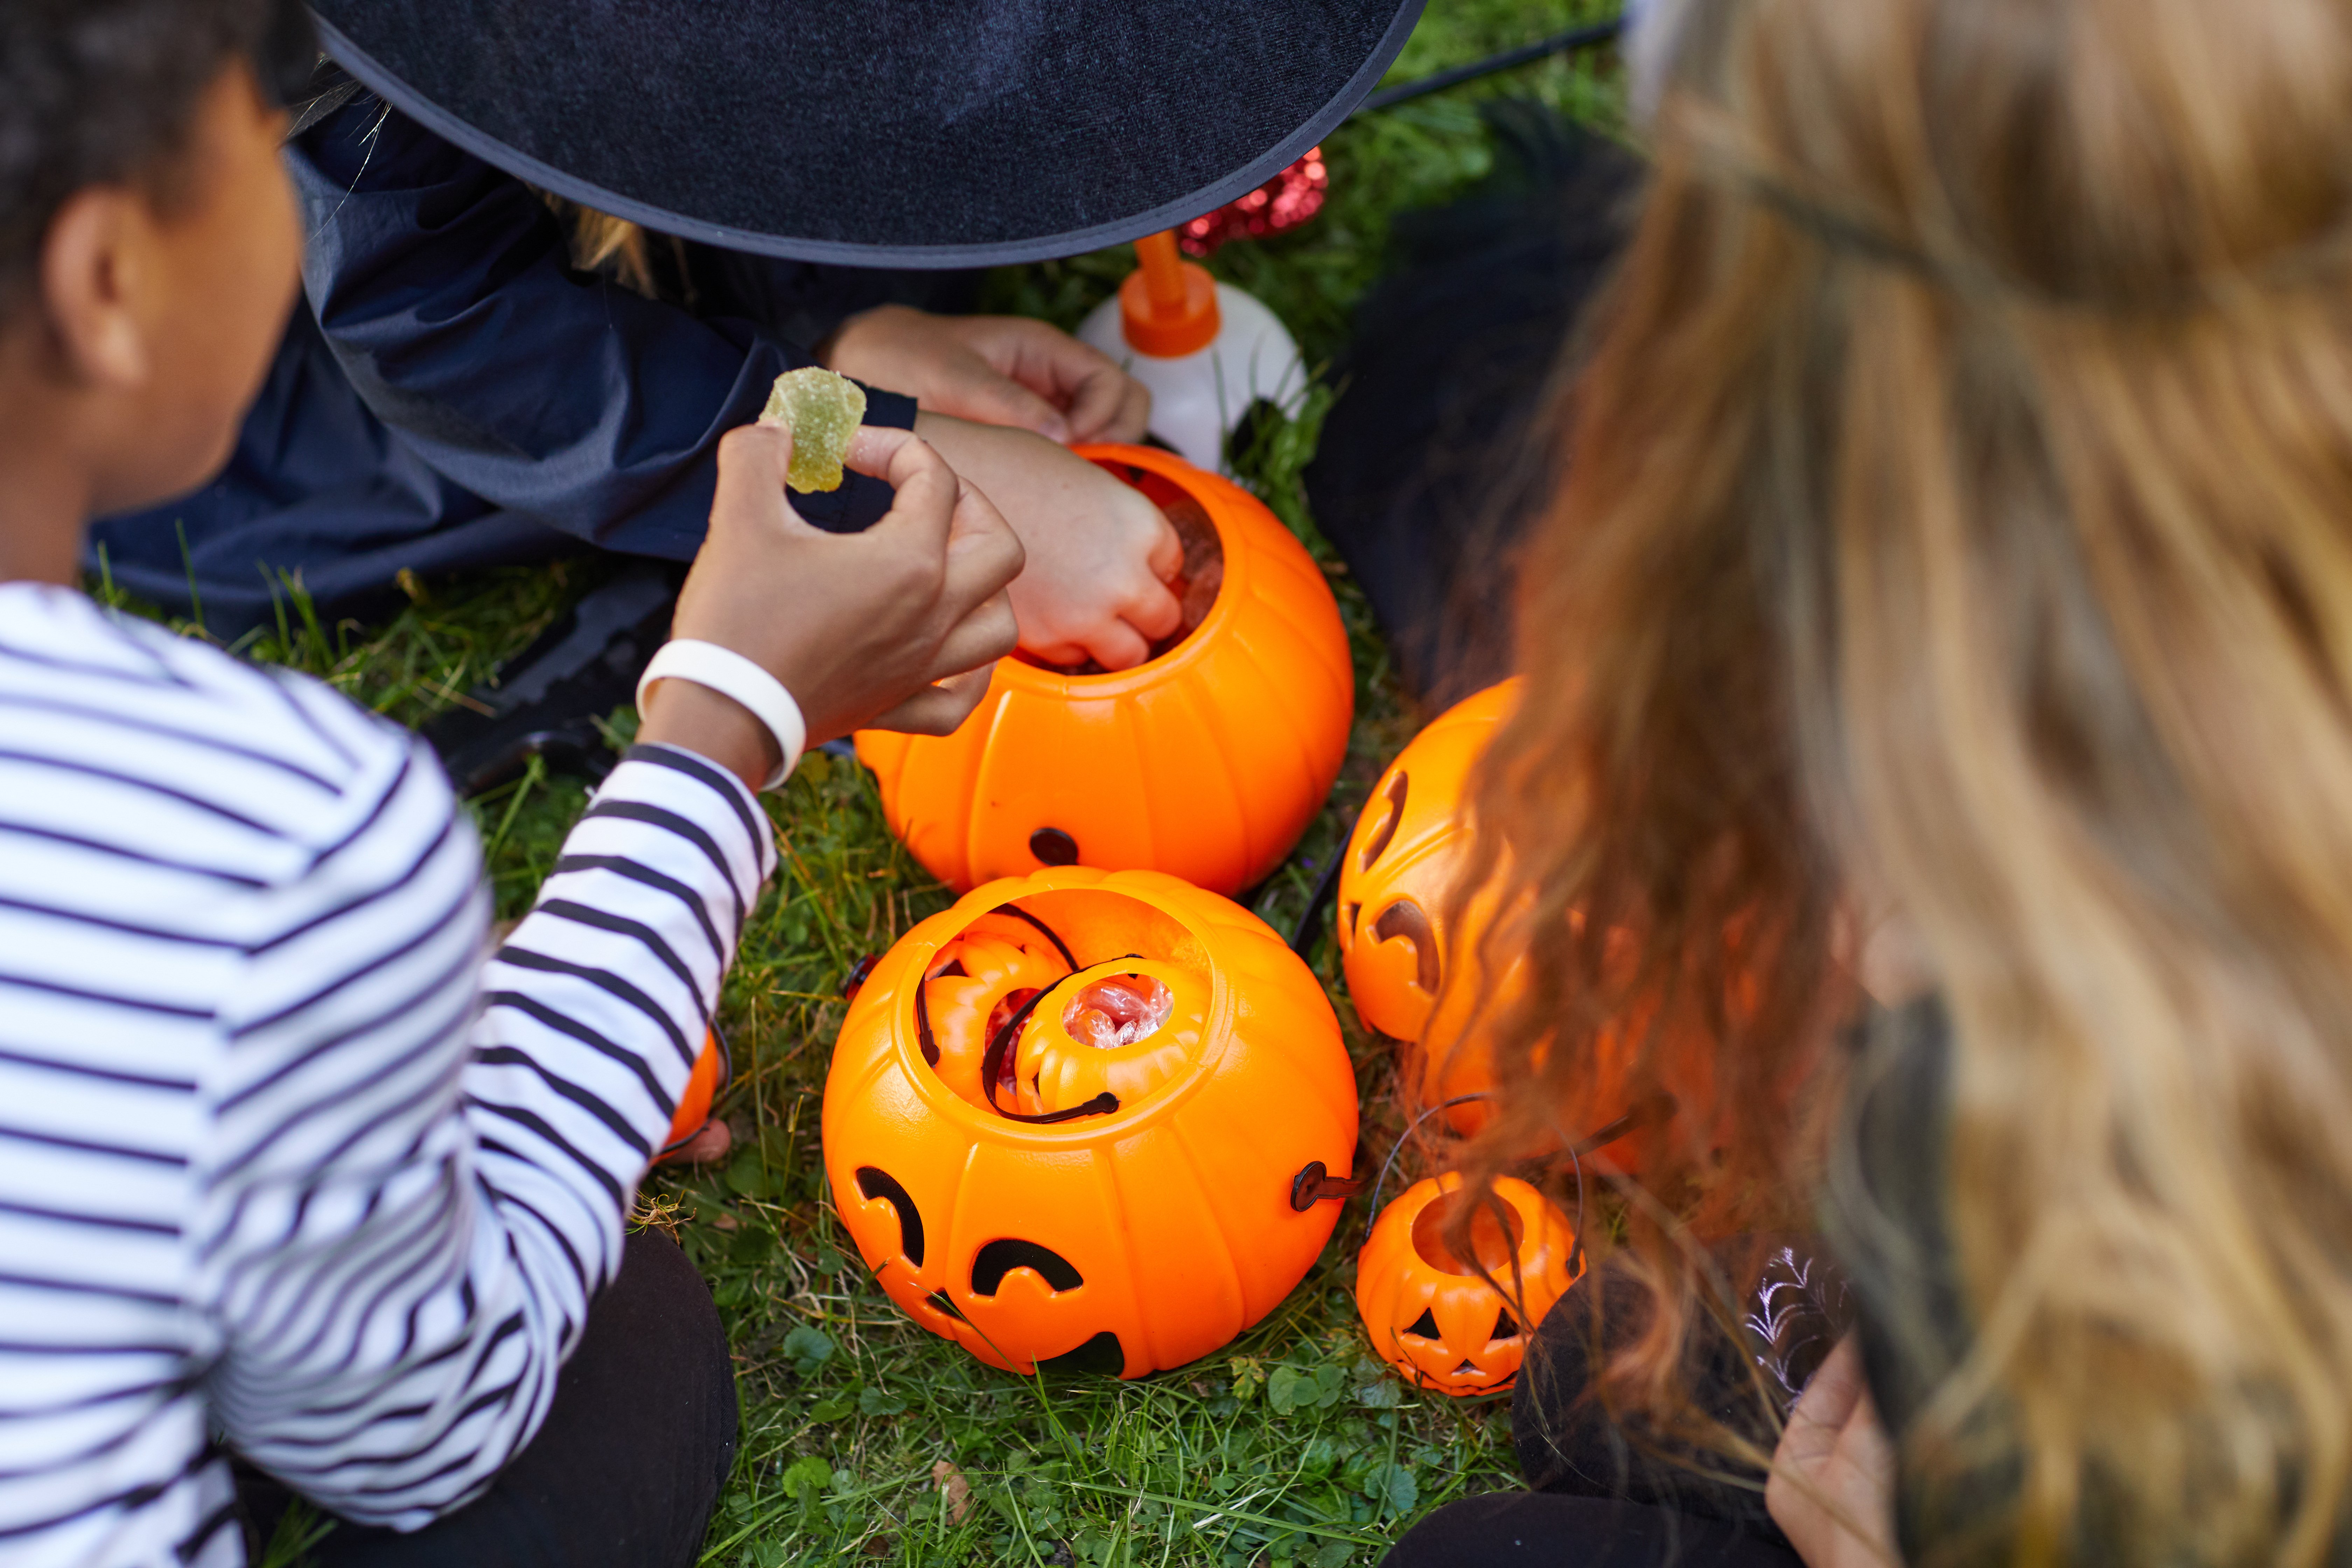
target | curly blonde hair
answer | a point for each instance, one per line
(1960, 499)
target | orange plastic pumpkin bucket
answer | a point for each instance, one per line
(1431, 1316)
(1206, 762)
(1416, 978)
(712, 1069)
(1410, 976)
(1076, 1122)
(1401, 861)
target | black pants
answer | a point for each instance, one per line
(625, 1473)
(1610, 1495)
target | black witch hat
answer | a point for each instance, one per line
(891, 133)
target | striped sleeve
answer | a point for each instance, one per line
(419, 1163)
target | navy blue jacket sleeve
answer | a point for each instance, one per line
(444, 287)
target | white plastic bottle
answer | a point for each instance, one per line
(1207, 349)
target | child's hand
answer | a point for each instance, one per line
(1831, 1490)
(993, 370)
(1100, 555)
(896, 627)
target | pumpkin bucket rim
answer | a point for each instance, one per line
(1216, 1019)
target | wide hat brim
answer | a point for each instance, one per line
(889, 133)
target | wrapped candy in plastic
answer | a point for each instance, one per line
(1203, 574)
(822, 411)
(1115, 1013)
(1130, 1029)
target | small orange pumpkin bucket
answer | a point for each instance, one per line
(1428, 1312)
(713, 1069)
(1082, 1122)
(1207, 761)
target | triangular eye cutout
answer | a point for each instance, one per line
(1425, 1325)
(1377, 846)
(1507, 1327)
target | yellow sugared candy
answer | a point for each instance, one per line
(822, 411)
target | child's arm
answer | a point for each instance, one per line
(409, 1206)
(415, 1168)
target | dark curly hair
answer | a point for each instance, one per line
(101, 92)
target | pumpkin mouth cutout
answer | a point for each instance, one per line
(1066, 1005)
(1198, 582)
(1495, 1237)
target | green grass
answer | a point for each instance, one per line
(1293, 1445)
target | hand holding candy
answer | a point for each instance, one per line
(896, 627)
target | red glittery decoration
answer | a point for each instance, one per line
(1282, 203)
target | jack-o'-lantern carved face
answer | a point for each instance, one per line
(1429, 1314)
(1400, 868)
(1397, 946)
(1411, 973)
(1047, 1126)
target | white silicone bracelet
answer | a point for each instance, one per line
(730, 674)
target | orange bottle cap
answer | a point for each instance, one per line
(1168, 306)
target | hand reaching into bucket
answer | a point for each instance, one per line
(896, 627)
(1101, 556)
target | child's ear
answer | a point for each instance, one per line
(97, 277)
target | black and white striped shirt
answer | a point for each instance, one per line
(286, 1167)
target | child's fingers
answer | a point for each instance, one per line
(1110, 405)
(1117, 646)
(1166, 557)
(871, 449)
(1829, 1400)
(752, 459)
(983, 553)
(1153, 610)
(941, 707)
(926, 488)
(993, 398)
(982, 637)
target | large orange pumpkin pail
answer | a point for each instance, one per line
(1078, 1121)
(1206, 762)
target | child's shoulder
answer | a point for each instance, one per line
(95, 685)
